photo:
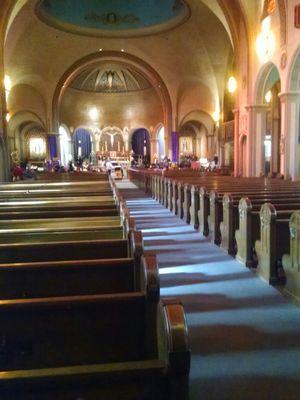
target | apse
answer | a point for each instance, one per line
(110, 100)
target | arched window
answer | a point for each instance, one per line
(65, 153)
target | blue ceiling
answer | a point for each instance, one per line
(112, 14)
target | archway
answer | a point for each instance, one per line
(291, 106)
(127, 61)
(267, 114)
(193, 139)
(65, 145)
(141, 143)
(160, 137)
(34, 143)
(82, 143)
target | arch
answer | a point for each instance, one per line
(82, 143)
(125, 59)
(35, 143)
(18, 126)
(65, 144)
(200, 116)
(268, 121)
(195, 132)
(140, 142)
(294, 72)
(160, 138)
(266, 78)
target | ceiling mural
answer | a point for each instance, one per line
(98, 16)
(110, 78)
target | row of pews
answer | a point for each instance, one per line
(257, 220)
(80, 309)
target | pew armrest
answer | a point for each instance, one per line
(137, 245)
(129, 225)
(175, 344)
(150, 277)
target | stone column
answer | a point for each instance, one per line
(236, 114)
(256, 137)
(290, 132)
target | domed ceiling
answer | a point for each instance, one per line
(113, 17)
(110, 78)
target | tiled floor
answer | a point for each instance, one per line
(244, 335)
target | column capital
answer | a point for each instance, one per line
(292, 96)
(256, 107)
(236, 111)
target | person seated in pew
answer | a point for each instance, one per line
(17, 173)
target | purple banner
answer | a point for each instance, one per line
(82, 139)
(52, 146)
(175, 147)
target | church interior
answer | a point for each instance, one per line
(149, 199)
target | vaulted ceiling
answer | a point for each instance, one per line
(192, 58)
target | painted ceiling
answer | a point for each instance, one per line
(110, 78)
(111, 15)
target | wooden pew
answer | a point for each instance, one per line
(156, 371)
(217, 210)
(291, 260)
(75, 213)
(249, 227)
(77, 277)
(229, 225)
(92, 190)
(186, 203)
(203, 212)
(230, 213)
(195, 206)
(274, 242)
(71, 250)
(71, 176)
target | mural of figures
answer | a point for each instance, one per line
(82, 143)
(36, 146)
(186, 145)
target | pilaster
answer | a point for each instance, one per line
(290, 131)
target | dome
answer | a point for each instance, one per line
(110, 78)
(113, 17)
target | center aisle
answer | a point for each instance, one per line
(244, 335)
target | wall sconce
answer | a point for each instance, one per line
(232, 84)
